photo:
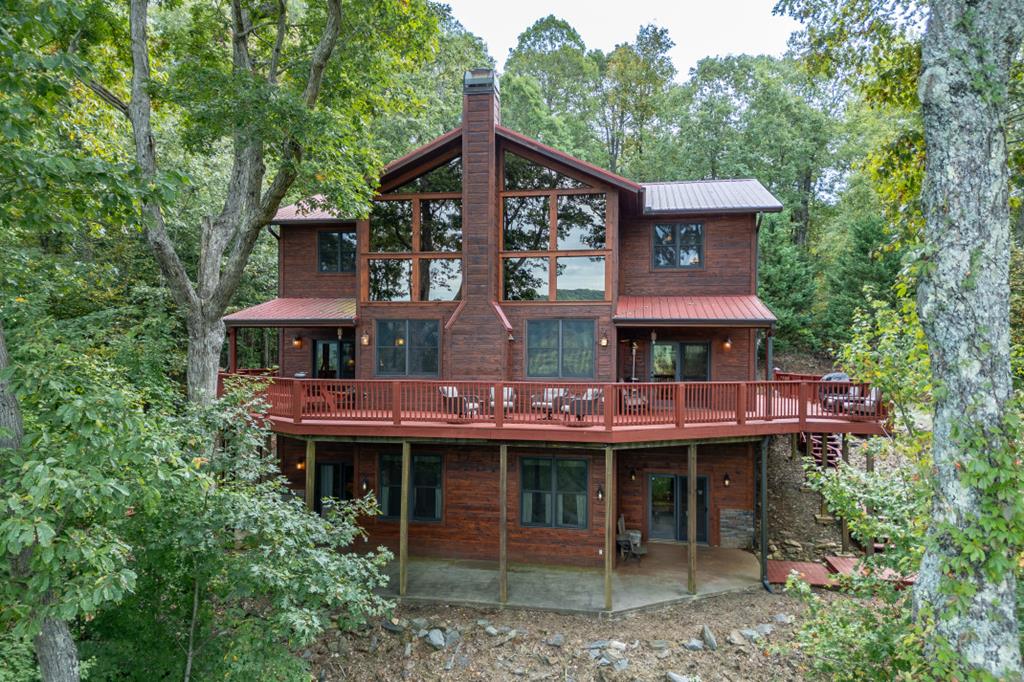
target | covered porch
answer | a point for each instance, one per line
(659, 579)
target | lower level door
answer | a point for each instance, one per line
(333, 479)
(668, 507)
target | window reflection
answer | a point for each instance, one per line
(579, 278)
(391, 279)
(446, 178)
(526, 279)
(440, 279)
(441, 225)
(527, 224)
(581, 221)
(523, 174)
(391, 226)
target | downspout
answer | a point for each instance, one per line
(764, 514)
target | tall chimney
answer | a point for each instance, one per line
(476, 339)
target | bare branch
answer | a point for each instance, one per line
(139, 113)
(282, 27)
(109, 97)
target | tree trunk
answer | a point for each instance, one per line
(56, 652)
(964, 305)
(205, 341)
(55, 648)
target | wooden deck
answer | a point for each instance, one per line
(569, 412)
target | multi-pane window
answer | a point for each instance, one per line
(425, 487)
(415, 237)
(560, 348)
(336, 251)
(554, 241)
(408, 347)
(554, 492)
(678, 246)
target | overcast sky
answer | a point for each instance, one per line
(700, 28)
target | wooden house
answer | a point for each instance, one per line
(517, 347)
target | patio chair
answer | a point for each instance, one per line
(629, 541)
(459, 405)
(862, 405)
(588, 403)
(548, 400)
(508, 399)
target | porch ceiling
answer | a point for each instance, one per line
(296, 312)
(707, 311)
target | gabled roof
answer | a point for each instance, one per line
(568, 159)
(699, 196)
(724, 311)
(709, 196)
(288, 312)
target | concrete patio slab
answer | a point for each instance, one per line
(659, 579)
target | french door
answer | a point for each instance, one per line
(680, 361)
(667, 507)
(334, 359)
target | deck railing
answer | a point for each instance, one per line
(571, 405)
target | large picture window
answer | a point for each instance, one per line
(336, 251)
(415, 238)
(554, 492)
(408, 348)
(425, 487)
(560, 348)
(554, 235)
(678, 246)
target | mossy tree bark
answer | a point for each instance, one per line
(964, 305)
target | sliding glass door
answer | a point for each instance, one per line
(667, 509)
(680, 361)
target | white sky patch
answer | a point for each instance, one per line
(700, 28)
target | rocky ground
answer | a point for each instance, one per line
(727, 637)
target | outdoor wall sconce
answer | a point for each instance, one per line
(726, 481)
(364, 340)
(297, 342)
(604, 340)
(365, 484)
(727, 344)
(300, 465)
(654, 336)
(511, 338)
(632, 474)
(600, 493)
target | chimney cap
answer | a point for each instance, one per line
(481, 80)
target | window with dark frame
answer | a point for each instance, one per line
(560, 348)
(553, 492)
(677, 246)
(408, 347)
(336, 251)
(425, 487)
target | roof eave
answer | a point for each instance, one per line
(291, 322)
(692, 322)
(713, 211)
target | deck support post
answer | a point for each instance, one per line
(503, 524)
(609, 524)
(310, 474)
(691, 518)
(793, 450)
(403, 526)
(845, 526)
(769, 353)
(869, 466)
(763, 489)
(232, 349)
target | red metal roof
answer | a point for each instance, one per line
(748, 311)
(281, 312)
(306, 210)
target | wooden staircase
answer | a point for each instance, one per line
(826, 449)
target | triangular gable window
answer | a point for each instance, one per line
(444, 178)
(523, 174)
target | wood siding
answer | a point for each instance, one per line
(713, 461)
(736, 364)
(297, 262)
(468, 528)
(730, 258)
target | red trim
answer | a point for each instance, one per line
(502, 317)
